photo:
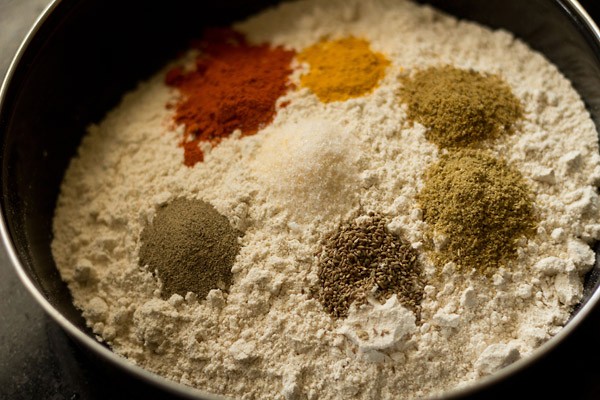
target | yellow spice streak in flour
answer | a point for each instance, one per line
(342, 69)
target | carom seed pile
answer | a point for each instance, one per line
(362, 259)
(334, 199)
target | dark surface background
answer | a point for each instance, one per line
(38, 361)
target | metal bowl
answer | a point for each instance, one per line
(81, 56)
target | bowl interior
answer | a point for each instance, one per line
(85, 55)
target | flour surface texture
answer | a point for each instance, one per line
(294, 182)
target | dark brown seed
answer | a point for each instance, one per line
(357, 257)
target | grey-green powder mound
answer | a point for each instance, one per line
(191, 247)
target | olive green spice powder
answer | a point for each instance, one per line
(477, 209)
(459, 107)
(359, 257)
(191, 247)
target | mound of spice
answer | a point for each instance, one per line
(477, 208)
(234, 85)
(310, 167)
(460, 107)
(362, 258)
(342, 69)
(191, 247)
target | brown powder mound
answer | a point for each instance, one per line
(191, 247)
(459, 107)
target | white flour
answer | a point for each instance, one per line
(267, 338)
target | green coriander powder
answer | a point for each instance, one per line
(460, 107)
(477, 208)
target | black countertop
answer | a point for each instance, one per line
(39, 361)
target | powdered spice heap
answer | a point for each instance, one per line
(361, 258)
(191, 246)
(342, 69)
(310, 167)
(460, 107)
(477, 208)
(234, 85)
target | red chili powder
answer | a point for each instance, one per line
(234, 86)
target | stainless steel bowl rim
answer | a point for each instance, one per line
(192, 393)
